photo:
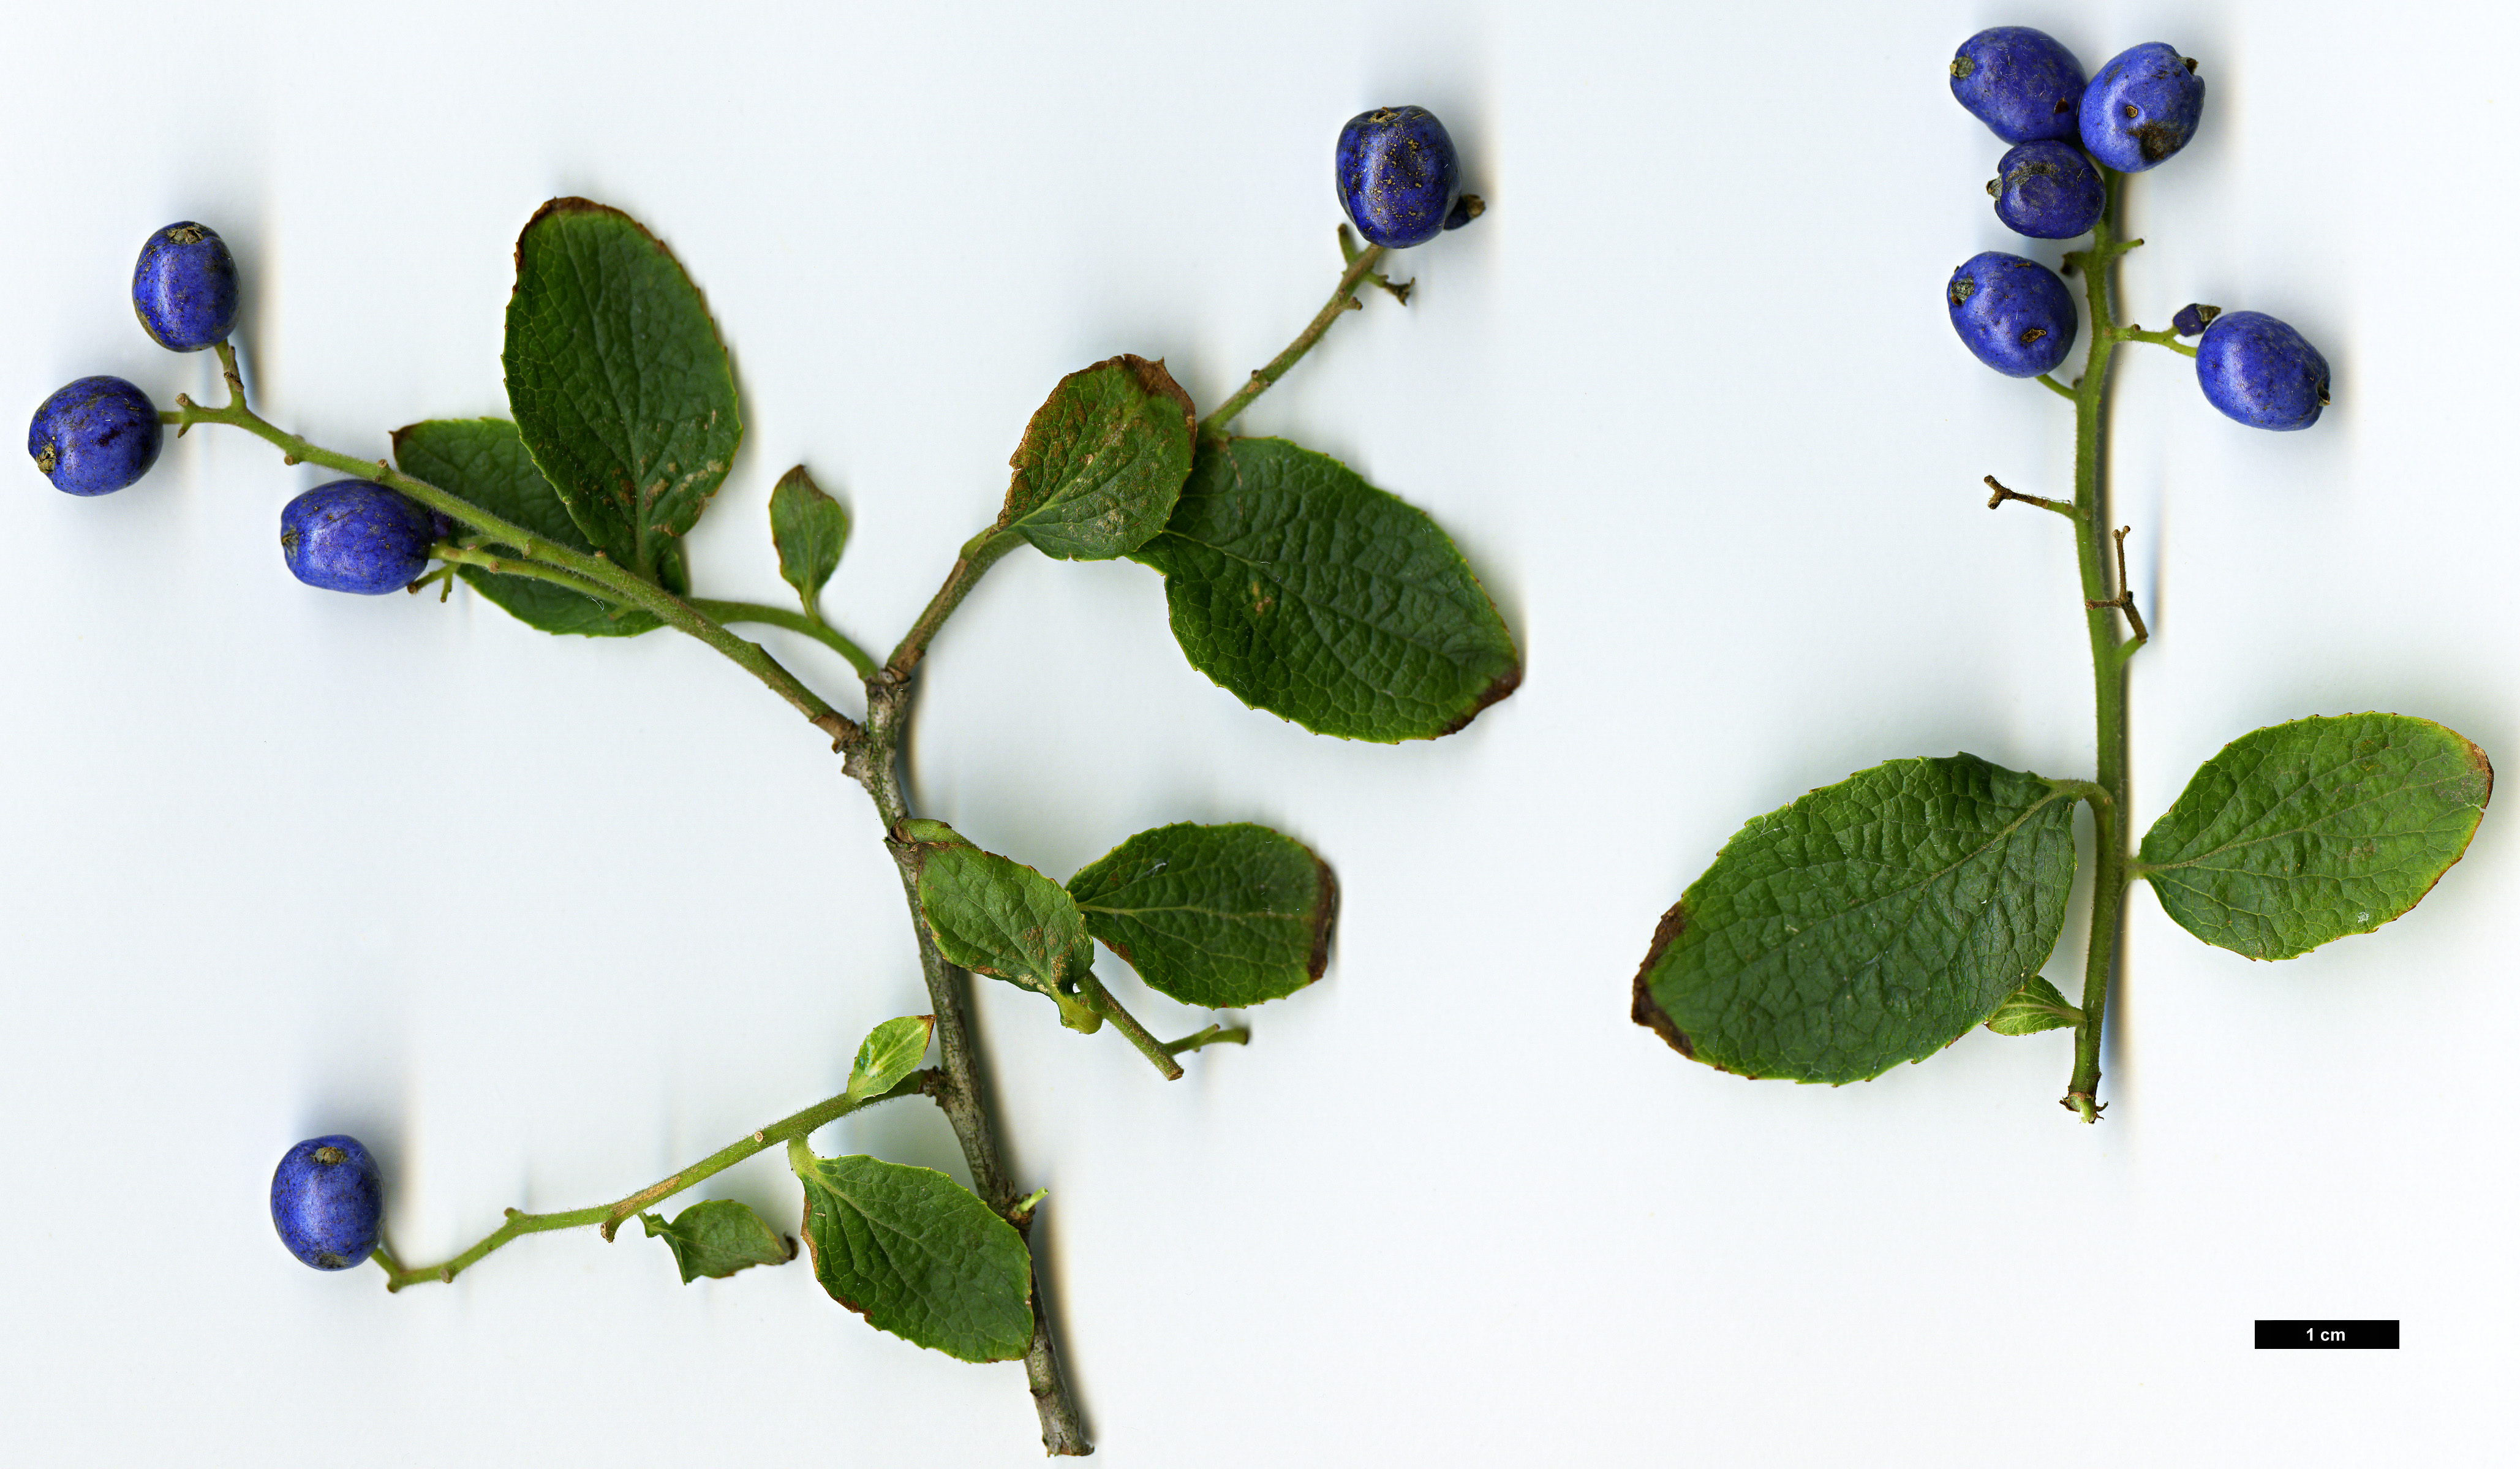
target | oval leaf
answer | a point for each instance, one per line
(1101, 462)
(2308, 831)
(890, 1052)
(2032, 1009)
(994, 915)
(484, 461)
(809, 529)
(619, 381)
(1870, 923)
(1219, 917)
(718, 1238)
(917, 1255)
(1306, 592)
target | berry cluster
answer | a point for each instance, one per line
(2070, 137)
(100, 434)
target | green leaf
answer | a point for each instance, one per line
(618, 383)
(484, 461)
(917, 1255)
(1870, 923)
(1103, 460)
(809, 529)
(2032, 1009)
(890, 1052)
(718, 1238)
(1221, 917)
(2308, 831)
(995, 917)
(1306, 592)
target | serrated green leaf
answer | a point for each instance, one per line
(917, 1255)
(718, 1238)
(1870, 923)
(1103, 460)
(1306, 592)
(619, 381)
(994, 915)
(2032, 1009)
(1221, 917)
(2308, 831)
(484, 461)
(809, 529)
(889, 1052)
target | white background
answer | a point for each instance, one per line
(540, 919)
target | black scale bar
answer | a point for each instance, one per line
(2328, 1336)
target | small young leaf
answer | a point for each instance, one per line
(2032, 1009)
(718, 1238)
(917, 1255)
(619, 381)
(995, 917)
(890, 1052)
(2308, 831)
(809, 529)
(482, 459)
(1306, 592)
(1870, 922)
(1101, 462)
(1221, 917)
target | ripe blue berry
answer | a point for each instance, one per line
(2260, 371)
(2013, 313)
(185, 288)
(2020, 82)
(1398, 177)
(2047, 190)
(327, 1200)
(95, 436)
(2141, 108)
(353, 535)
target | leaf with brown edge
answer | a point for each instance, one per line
(1102, 462)
(2307, 831)
(916, 1254)
(1870, 922)
(1222, 916)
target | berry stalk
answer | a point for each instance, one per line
(610, 1216)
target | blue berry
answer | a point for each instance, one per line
(2013, 313)
(185, 288)
(2260, 371)
(2020, 82)
(353, 535)
(1398, 177)
(2193, 317)
(326, 1201)
(2047, 190)
(95, 436)
(2141, 108)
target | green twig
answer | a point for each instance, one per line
(608, 1216)
(1214, 1035)
(780, 617)
(1155, 1050)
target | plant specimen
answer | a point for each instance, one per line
(1289, 581)
(1880, 919)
